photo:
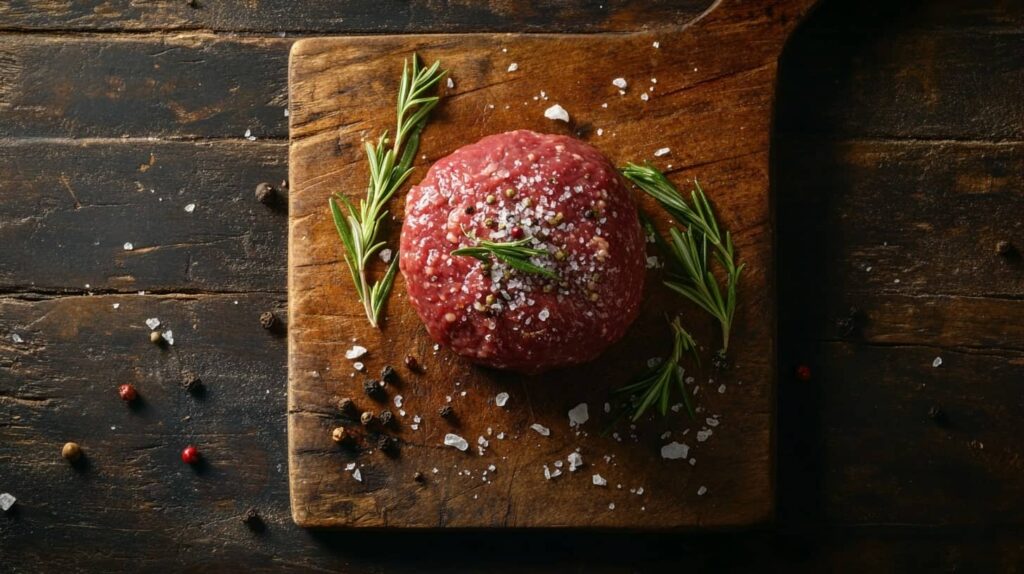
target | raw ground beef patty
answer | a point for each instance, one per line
(569, 201)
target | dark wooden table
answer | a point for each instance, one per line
(898, 168)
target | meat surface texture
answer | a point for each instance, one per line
(566, 199)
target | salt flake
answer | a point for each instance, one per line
(620, 83)
(702, 491)
(575, 461)
(661, 152)
(456, 441)
(937, 362)
(190, 208)
(513, 67)
(674, 450)
(168, 336)
(128, 246)
(152, 323)
(556, 112)
(355, 352)
(541, 429)
(17, 338)
(578, 415)
(357, 475)
(500, 399)
(599, 480)
(385, 255)
(7, 501)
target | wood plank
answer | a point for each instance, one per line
(914, 218)
(710, 79)
(71, 220)
(889, 82)
(185, 86)
(350, 16)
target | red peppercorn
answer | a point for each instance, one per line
(128, 393)
(190, 455)
(517, 232)
(803, 372)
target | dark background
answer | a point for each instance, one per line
(898, 166)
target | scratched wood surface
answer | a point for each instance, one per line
(711, 102)
(897, 146)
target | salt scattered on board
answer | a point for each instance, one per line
(575, 461)
(674, 450)
(128, 246)
(578, 415)
(456, 441)
(355, 352)
(513, 67)
(620, 83)
(152, 323)
(661, 152)
(556, 112)
(599, 480)
(7, 501)
(500, 399)
(541, 429)
(937, 362)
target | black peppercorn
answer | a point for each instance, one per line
(373, 388)
(470, 210)
(265, 193)
(412, 364)
(1004, 248)
(346, 406)
(192, 384)
(387, 444)
(366, 418)
(388, 374)
(253, 520)
(386, 417)
(418, 477)
(445, 411)
(268, 320)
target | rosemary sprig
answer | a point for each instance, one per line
(694, 279)
(390, 167)
(514, 253)
(655, 387)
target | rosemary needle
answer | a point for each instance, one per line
(692, 276)
(514, 253)
(655, 387)
(358, 227)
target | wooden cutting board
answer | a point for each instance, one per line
(709, 86)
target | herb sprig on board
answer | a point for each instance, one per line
(693, 277)
(359, 227)
(655, 387)
(514, 253)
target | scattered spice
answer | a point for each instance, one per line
(412, 364)
(127, 393)
(71, 451)
(265, 193)
(346, 406)
(386, 417)
(155, 337)
(268, 320)
(1004, 248)
(418, 477)
(192, 384)
(373, 388)
(253, 520)
(388, 374)
(339, 434)
(387, 445)
(803, 372)
(446, 411)
(366, 418)
(190, 455)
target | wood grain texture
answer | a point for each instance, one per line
(712, 104)
(914, 500)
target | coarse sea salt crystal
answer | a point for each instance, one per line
(190, 208)
(937, 362)
(578, 415)
(358, 366)
(385, 255)
(398, 401)
(721, 389)
(620, 83)
(599, 480)
(128, 246)
(541, 429)
(152, 323)
(661, 151)
(656, 44)
(500, 399)
(575, 461)
(544, 314)
(711, 422)
(116, 305)
(600, 131)
(7, 501)
(456, 441)
(644, 96)
(556, 112)
(451, 83)
(357, 475)
(513, 67)
(355, 352)
(16, 338)
(168, 336)
(350, 466)
(703, 435)
(702, 491)
(674, 450)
